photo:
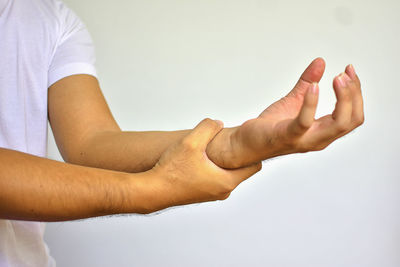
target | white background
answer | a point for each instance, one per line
(165, 65)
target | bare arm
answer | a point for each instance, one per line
(127, 151)
(87, 134)
(139, 151)
(38, 189)
(34, 188)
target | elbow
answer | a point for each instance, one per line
(77, 155)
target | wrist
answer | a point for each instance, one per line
(236, 144)
(221, 150)
(248, 146)
(143, 192)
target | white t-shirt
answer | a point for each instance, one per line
(41, 41)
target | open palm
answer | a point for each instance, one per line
(288, 125)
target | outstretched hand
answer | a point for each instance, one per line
(288, 125)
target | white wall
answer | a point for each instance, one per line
(167, 64)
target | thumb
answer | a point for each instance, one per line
(203, 133)
(312, 74)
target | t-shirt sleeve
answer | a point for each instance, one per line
(74, 52)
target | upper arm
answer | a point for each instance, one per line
(77, 111)
(76, 106)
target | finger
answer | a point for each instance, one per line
(203, 133)
(343, 109)
(352, 74)
(239, 175)
(357, 109)
(307, 112)
(312, 74)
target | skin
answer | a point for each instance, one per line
(142, 172)
(288, 125)
(47, 190)
(88, 135)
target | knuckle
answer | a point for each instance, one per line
(299, 126)
(303, 125)
(360, 120)
(227, 188)
(303, 148)
(346, 97)
(209, 122)
(212, 124)
(188, 144)
(342, 126)
(352, 84)
(355, 88)
(312, 147)
(320, 147)
(224, 196)
(224, 188)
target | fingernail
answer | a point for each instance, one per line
(314, 88)
(352, 68)
(342, 80)
(352, 71)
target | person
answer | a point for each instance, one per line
(47, 73)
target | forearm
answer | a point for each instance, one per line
(126, 151)
(38, 189)
(140, 151)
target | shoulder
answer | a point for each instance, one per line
(50, 12)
